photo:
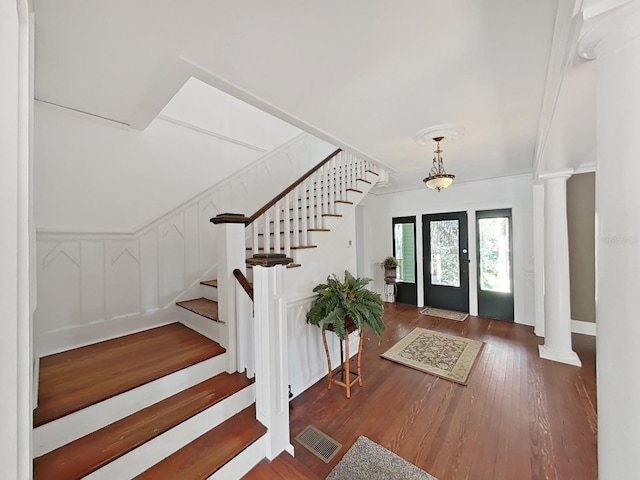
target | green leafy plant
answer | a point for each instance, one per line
(340, 302)
(390, 262)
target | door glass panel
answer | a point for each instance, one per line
(495, 265)
(445, 253)
(405, 251)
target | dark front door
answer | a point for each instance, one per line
(495, 264)
(446, 261)
(404, 249)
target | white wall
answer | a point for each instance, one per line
(93, 286)
(507, 192)
(96, 175)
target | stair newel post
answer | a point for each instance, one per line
(231, 255)
(271, 350)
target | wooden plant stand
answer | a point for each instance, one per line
(344, 369)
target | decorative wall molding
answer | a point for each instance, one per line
(87, 279)
(211, 133)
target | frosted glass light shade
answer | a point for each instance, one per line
(438, 182)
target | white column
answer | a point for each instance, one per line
(557, 307)
(613, 39)
(231, 255)
(15, 269)
(271, 357)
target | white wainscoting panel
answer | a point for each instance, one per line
(307, 358)
(88, 278)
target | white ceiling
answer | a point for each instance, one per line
(367, 74)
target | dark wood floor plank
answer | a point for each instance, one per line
(210, 452)
(519, 416)
(76, 379)
(87, 454)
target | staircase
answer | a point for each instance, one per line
(161, 403)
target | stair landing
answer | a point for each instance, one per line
(76, 379)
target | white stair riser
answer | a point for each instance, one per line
(59, 432)
(152, 452)
(242, 463)
(203, 325)
(209, 292)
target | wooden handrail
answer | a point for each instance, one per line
(244, 282)
(284, 193)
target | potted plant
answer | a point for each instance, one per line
(390, 265)
(345, 306)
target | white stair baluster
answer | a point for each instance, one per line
(305, 213)
(255, 227)
(295, 238)
(276, 227)
(266, 238)
(286, 225)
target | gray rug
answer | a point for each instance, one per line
(366, 460)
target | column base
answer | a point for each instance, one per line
(569, 357)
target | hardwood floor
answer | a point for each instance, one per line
(519, 417)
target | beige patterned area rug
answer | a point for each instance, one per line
(448, 314)
(437, 353)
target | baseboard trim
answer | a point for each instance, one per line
(80, 335)
(585, 328)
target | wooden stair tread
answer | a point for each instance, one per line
(91, 452)
(210, 283)
(73, 380)
(363, 180)
(211, 451)
(353, 190)
(337, 215)
(283, 467)
(202, 306)
(371, 171)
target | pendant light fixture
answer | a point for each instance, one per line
(438, 178)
